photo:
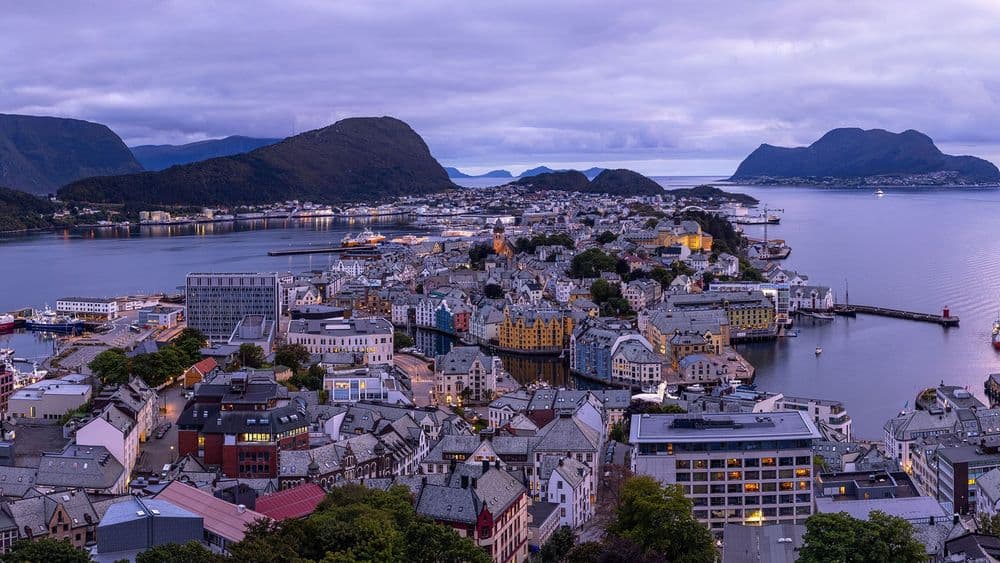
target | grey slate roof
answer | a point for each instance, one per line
(88, 467)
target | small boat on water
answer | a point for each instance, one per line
(791, 333)
(819, 350)
(879, 193)
(366, 236)
(996, 334)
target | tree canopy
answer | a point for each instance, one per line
(590, 263)
(293, 356)
(190, 552)
(358, 524)
(839, 538)
(114, 367)
(659, 519)
(45, 550)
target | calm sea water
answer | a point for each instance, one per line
(918, 249)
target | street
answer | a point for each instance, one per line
(421, 377)
(155, 453)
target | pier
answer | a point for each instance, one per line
(319, 250)
(945, 319)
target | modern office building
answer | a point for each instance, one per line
(98, 308)
(216, 303)
(749, 468)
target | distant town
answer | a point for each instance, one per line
(252, 396)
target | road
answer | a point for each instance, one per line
(155, 453)
(421, 377)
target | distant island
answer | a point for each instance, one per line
(456, 173)
(852, 156)
(590, 173)
(159, 157)
(39, 154)
(362, 159)
(712, 193)
(619, 182)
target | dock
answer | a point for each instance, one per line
(945, 319)
(319, 250)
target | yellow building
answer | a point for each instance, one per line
(687, 233)
(532, 330)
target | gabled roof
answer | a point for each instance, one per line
(296, 502)
(220, 517)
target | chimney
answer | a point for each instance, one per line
(241, 508)
(465, 481)
(496, 464)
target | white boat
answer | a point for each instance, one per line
(819, 350)
(879, 193)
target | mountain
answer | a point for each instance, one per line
(624, 183)
(852, 153)
(20, 211)
(619, 182)
(359, 159)
(536, 171)
(566, 181)
(456, 173)
(158, 157)
(39, 154)
(590, 173)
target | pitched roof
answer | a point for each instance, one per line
(297, 502)
(221, 518)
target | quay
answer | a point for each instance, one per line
(945, 319)
(319, 250)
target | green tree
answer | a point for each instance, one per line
(294, 356)
(401, 340)
(839, 538)
(311, 379)
(110, 366)
(478, 254)
(45, 550)
(251, 356)
(559, 544)
(190, 552)
(606, 237)
(988, 525)
(356, 524)
(590, 263)
(659, 519)
(493, 291)
(150, 368)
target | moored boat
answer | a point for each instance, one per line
(996, 334)
(6, 322)
(49, 321)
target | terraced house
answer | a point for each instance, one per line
(535, 330)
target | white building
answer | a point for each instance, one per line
(748, 468)
(988, 494)
(367, 384)
(465, 374)
(811, 297)
(824, 412)
(115, 430)
(88, 307)
(47, 400)
(634, 363)
(570, 484)
(371, 338)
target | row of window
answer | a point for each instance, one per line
(683, 476)
(735, 462)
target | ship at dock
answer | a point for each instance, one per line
(7, 323)
(50, 321)
(365, 237)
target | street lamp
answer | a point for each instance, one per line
(172, 454)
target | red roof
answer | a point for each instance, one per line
(205, 366)
(297, 502)
(220, 517)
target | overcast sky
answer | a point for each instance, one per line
(662, 87)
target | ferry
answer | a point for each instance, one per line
(366, 236)
(6, 322)
(49, 321)
(996, 334)
(756, 220)
(879, 193)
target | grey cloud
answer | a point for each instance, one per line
(514, 82)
